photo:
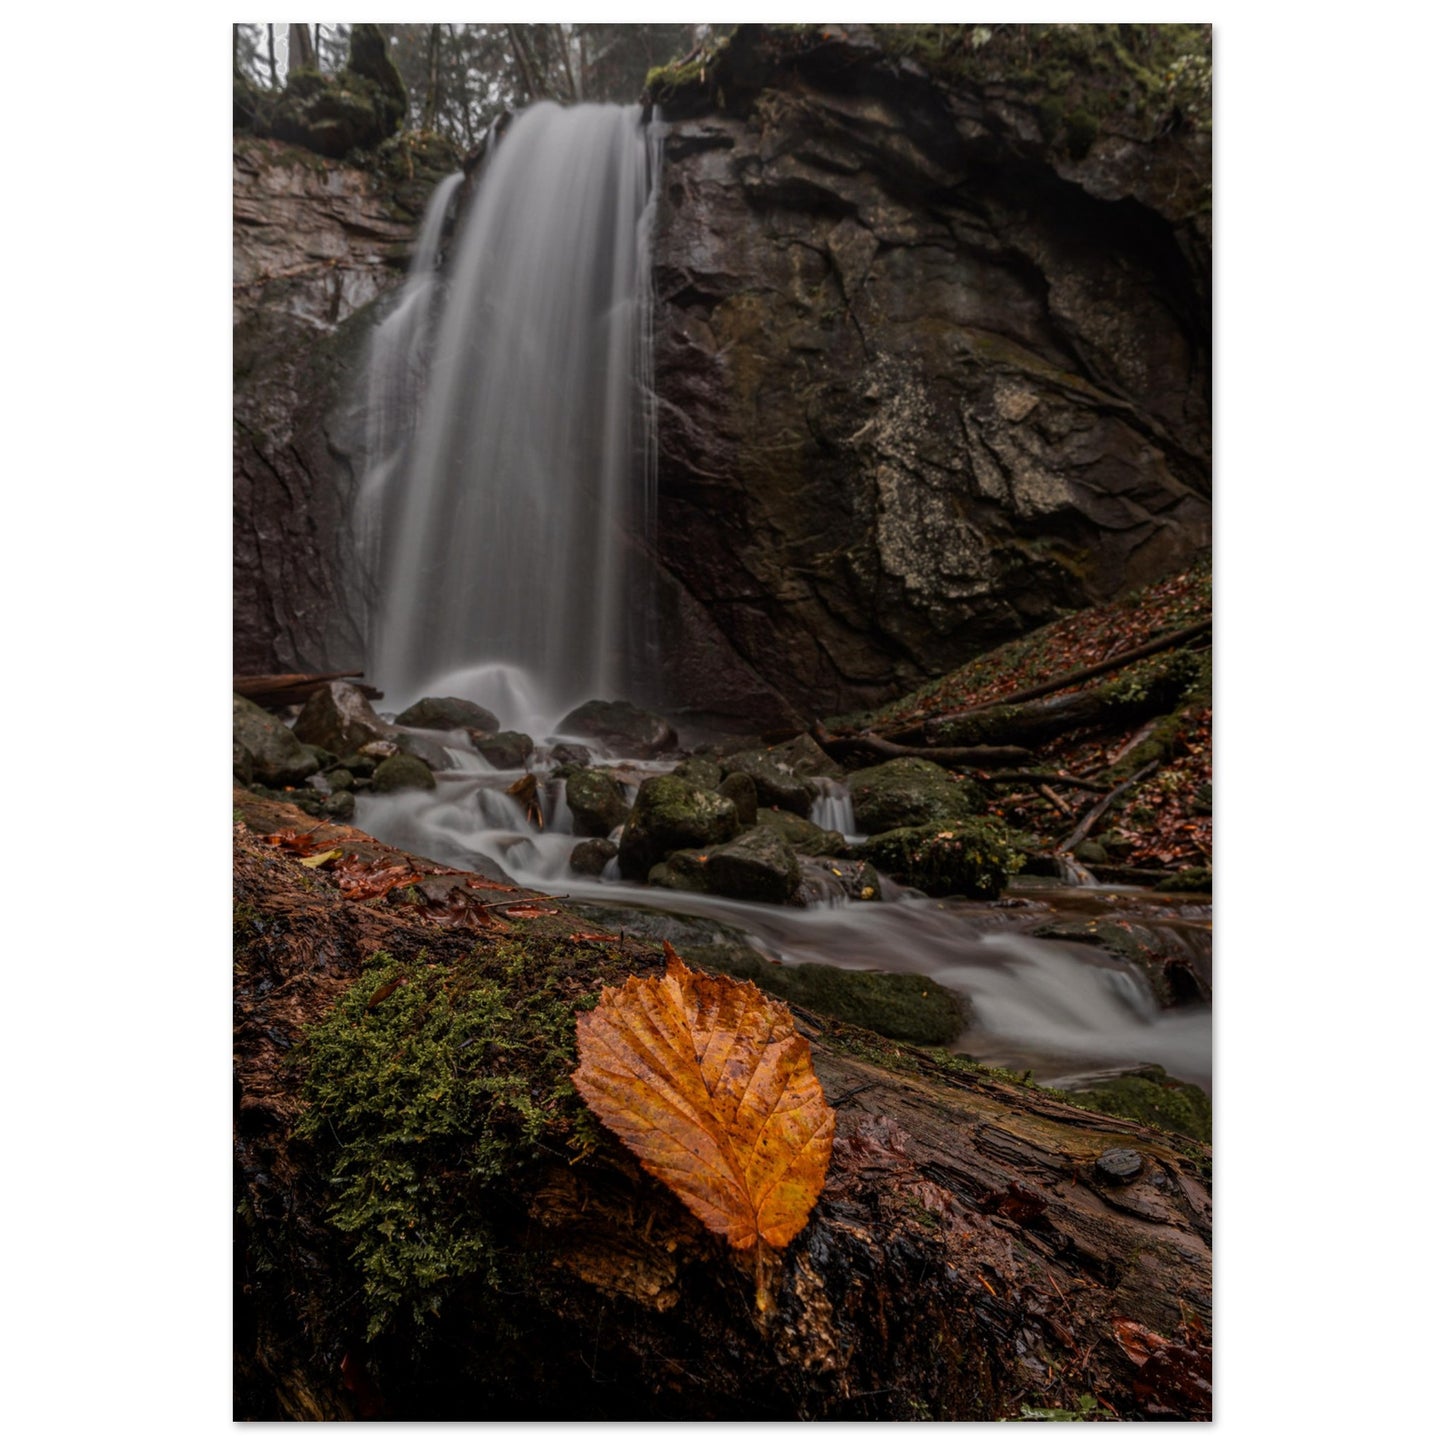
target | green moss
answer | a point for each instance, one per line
(422, 1099)
(1139, 78)
(1150, 1096)
(969, 856)
(907, 1006)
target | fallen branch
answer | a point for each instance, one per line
(280, 689)
(1086, 825)
(840, 748)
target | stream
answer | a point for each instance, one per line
(1071, 1012)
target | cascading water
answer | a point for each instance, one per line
(501, 525)
(509, 474)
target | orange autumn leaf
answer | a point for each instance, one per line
(707, 1081)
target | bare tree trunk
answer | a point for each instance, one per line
(302, 53)
(563, 41)
(433, 80)
(519, 49)
(271, 54)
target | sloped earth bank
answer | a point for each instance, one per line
(981, 1249)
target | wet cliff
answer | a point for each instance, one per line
(318, 246)
(933, 343)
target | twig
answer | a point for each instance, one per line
(518, 902)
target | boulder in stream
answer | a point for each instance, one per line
(591, 856)
(596, 802)
(441, 714)
(757, 866)
(777, 785)
(744, 793)
(909, 792)
(505, 750)
(402, 771)
(805, 836)
(668, 814)
(339, 718)
(968, 856)
(621, 727)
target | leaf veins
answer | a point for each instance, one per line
(707, 1081)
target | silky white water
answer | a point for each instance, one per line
(1064, 1010)
(500, 532)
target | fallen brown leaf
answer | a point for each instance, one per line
(707, 1081)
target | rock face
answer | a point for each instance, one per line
(932, 347)
(316, 245)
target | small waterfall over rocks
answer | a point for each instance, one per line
(509, 473)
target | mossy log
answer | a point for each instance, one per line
(981, 1250)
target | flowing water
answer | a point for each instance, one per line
(1065, 1010)
(509, 478)
(500, 530)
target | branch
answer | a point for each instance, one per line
(1101, 807)
(979, 757)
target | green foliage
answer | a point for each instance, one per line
(1144, 78)
(424, 1098)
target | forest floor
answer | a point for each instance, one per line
(1162, 824)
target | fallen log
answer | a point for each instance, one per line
(981, 1249)
(1120, 702)
(282, 689)
(1069, 679)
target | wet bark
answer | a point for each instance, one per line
(981, 1249)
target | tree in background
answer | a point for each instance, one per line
(459, 78)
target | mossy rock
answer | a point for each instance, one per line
(628, 730)
(802, 835)
(505, 750)
(1188, 880)
(400, 772)
(670, 813)
(339, 803)
(776, 785)
(683, 870)
(1150, 1096)
(907, 1006)
(968, 856)
(909, 792)
(596, 802)
(700, 772)
(277, 755)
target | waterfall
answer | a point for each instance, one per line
(396, 368)
(502, 526)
